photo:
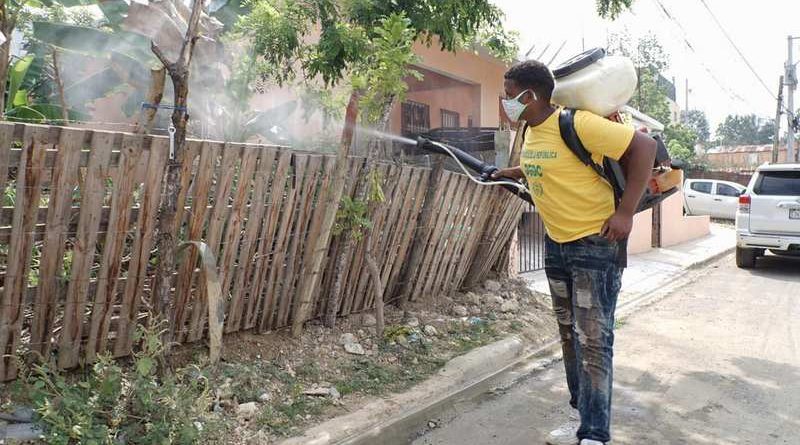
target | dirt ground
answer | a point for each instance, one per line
(296, 383)
(272, 386)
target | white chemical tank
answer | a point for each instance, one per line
(595, 82)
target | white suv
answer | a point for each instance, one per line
(769, 214)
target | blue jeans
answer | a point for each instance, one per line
(585, 279)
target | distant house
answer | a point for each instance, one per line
(458, 90)
(742, 157)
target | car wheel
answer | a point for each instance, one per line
(745, 258)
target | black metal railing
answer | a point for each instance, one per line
(531, 241)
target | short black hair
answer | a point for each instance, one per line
(534, 75)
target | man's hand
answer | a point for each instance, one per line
(618, 227)
(511, 172)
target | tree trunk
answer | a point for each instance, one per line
(332, 199)
(60, 87)
(167, 245)
(158, 78)
(334, 298)
(7, 28)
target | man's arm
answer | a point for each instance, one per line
(639, 158)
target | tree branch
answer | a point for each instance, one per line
(161, 56)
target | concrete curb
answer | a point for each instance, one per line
(396, 418)
(711, 259)
(457, 375)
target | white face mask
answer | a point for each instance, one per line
(514, 108)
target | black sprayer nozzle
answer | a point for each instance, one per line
(483, 169)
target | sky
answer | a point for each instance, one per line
(720, 82)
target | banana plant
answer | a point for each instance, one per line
(22, 104)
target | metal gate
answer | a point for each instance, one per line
(531, 241)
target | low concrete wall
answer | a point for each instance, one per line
(641, 238)
(677, 228)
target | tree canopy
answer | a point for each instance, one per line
(745, 130)
(697, 121)
(650, 60)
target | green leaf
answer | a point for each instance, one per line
(114, 10)
(20, 99)
(15, 78)
(92, 87)
(144, 365)
(25, 114)
(94, 42)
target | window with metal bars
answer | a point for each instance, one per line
(450, 119)
(415, 118)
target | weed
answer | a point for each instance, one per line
(367, 377)
(283, 418)
(516, 325)
(108, 403)
(620, 322)
(309, 370)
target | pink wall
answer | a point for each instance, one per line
(641, 238)
(677, 228)
(441, 92)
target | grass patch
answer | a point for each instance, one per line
(283, 419)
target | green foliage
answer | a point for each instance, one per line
(109, 403)
(612, 8)
(281, 31)
(650, 59)
(679, 151)
(681, 140)
(745, 130)
(20, 106)
(697, 121)
(381, 75)
(352, 217)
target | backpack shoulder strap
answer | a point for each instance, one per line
(566, 125)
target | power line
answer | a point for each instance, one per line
(733, 95)
(730, 40)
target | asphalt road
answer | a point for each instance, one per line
(716, 362)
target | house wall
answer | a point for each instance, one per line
(746, 157)
(476, 68)
(441, 92)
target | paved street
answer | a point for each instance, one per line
(716, 362)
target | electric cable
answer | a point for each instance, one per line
(733, 95)
(744, 59)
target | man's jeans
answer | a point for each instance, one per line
(584, 281)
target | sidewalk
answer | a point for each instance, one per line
(649, 271)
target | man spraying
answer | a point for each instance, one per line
(586, 229)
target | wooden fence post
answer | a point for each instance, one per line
(331, 202)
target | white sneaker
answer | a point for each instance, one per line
(591, 442)
(566, 434)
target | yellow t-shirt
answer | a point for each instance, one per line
(572, 199)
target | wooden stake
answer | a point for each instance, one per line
(333, 196)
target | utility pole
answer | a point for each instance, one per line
(791, 84)
(776, 142)
(687, 95)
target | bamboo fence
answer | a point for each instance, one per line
(77, 237)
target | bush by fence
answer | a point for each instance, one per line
(77, 233)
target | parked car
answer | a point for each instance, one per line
(769, 214)
(711, 197)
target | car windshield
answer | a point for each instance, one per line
(779, 183)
